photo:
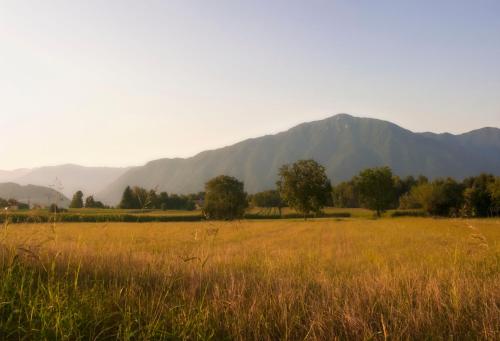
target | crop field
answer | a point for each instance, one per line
(321, 279)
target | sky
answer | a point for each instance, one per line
(119, 83)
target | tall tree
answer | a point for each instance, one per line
(447, 197)
(477, 198)
(304, 186)
(141, 196)
(153, 200)
(129, 200)
(421, 196)
(267, 199)
(402, 186)
(90, 202)
(225, 198)
(77, 201)
(442, 197)
(494, 190)
(163, 201)
(270, 198)
(376, 188)
(345, 195)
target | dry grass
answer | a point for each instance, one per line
(264, 280)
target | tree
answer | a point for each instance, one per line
(494, 190)
(129, 200)
(344, 195)
(90, 202)
(402, 186)
(422, 179)
(180, 202)
(442, 197)
(421, 196)
(77, 201)
(225, 198)
(23, 206)
(477, 198)
(408, 201)
(267, 199)
(153, 200)
(141, 196)
(163, 201)
(270, 198)
(447, 198)
(304, 186)
(376, 188)
(53, 208)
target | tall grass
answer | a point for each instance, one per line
(263, 280)
(147, 216)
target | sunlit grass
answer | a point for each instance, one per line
(354, 212)
(324, 279)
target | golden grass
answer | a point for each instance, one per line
(326, 279)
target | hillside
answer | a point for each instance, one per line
(343, 144)
(8, 176)
(32, 194)
(67, 178)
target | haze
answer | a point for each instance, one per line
(124, 82)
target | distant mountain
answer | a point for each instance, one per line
(32, 194)
(7, 176)
(66, 178)
(343, 144)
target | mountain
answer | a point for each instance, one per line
(343, 144)
(66, 178)
(7, 176)
(39, 195)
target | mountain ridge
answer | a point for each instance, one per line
(69, 177)
(33, 194)
(345, 144)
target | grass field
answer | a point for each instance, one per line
(153, 215)
(327, 279)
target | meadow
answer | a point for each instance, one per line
(91, 215)
(321, 279)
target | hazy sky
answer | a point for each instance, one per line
(124, 82)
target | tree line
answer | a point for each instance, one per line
(476, 196)
(305, 187)
(141, 198)
(78, 202)
(13, 203)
